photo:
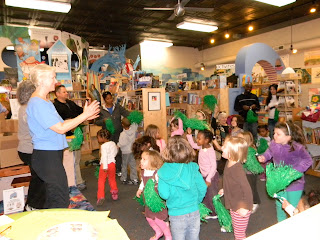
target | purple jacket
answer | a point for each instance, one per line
(299, 159)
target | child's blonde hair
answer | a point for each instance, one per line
(248, 137)
(155, 160)
(152, 130)
(237, 148)
(178, 150)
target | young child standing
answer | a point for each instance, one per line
(236, 125)
(208, 166)
(150, 163)
(263, 136)
(236, 189)
(182, 186)
(153, 131)
(288, 148)
(252, 178)
(108, 152)
(126, 139)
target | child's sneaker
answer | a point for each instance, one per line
(222, 229)
(114, 196)
(129, 182)
(135, 182)
(100, 201)
(124, 182)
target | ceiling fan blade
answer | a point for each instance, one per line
(184, 2)
(172, 17)
(195, 9)
(160, 9)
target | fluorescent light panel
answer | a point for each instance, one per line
(278, 3)
(197, 27)
(40, 5)
(151, 43)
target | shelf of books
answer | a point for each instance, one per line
(311, 132)
(289, 92)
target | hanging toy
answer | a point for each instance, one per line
(262, 146)
(223, 214)
(76, 143)
(110, 126)
(140, 200)
(279, 177)
(210, 102)
(252, 164)
(204, 212)
(152, 198)
(135, 117)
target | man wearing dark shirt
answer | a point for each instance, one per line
(67, 109)
(243, 103)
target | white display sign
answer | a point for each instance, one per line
(225, 66)
(13, 200)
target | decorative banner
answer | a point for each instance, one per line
(28, 56)
(60, 58)
(312, 58)
(47, 37)
(315, 73)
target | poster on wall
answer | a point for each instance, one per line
(154, 103)
(60, 62)
(305, 74)
(28, 55)
(312, 58)
(312, 93)
(315, 73)
(46, 37)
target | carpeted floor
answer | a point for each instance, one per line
(129, 213)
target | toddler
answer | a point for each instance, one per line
(208, 166)
(236, 189)
(126, 139)
(150, 163)
(263, 136)
(182, 186)
(108, 152)
(153, 131)
(288, 148)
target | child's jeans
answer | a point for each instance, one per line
(239, 224)
(185, 227)
(111, 175)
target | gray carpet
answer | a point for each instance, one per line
(129, 213)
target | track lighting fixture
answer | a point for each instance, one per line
(202, 67)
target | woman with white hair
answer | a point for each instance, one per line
(48, 130)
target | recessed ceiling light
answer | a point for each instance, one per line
(153, 43)
(197, 27)
(278, 3)
(45, 5)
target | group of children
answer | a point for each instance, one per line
(184, 182)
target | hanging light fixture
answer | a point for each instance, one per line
(293, 50)
(250, 27)
(212, 40)
(202, 67)
(227, 35)
(313, 8)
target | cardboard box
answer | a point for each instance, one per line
(9, 157)
(76, 86)
(7, 142)
(9, 125)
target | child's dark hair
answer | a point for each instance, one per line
(178, 150)
(264, 126)
(313, 198)
(105, 94)
(143, 141)
(125, 122)
(291, 129)
(104, 134)
(175, 122)
(207, 134)
(269, 93)
(240, 120)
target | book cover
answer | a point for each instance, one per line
(291, 87)
(290, 101)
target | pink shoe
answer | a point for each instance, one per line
(114, 196)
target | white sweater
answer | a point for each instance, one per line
(108, 152)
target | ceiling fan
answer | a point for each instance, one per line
(179, 9)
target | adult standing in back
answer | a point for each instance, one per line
(244, 102)
(114, 112)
